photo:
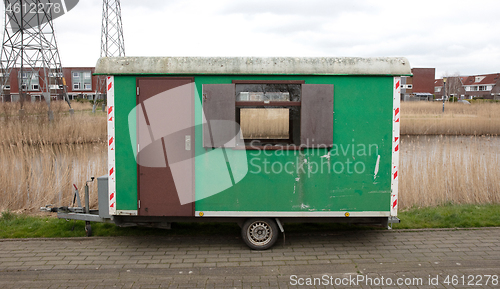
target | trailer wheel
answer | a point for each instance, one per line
(260, 233)
(88, 229)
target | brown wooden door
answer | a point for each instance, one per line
(165, 152)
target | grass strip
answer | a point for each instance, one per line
(448, 216)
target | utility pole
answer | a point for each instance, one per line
(112, 43)
(444, 91)
(29, 45)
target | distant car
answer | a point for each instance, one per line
(463, 101)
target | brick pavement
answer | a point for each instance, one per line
(225, 262)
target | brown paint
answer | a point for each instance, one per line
(157, 191)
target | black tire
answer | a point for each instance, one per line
(88, 229)
(260, 233)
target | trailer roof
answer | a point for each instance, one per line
(254, 65)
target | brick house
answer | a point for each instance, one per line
(80, 82)
(420, 86)
(467, 87)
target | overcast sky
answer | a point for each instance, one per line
(452, 36)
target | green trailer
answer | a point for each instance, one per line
(258, 141)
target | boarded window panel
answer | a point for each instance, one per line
(265, 123)
(219, 110)
(317, 115)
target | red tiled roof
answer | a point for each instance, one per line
(488, 79)
(471, 80)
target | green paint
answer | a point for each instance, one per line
(344, 182)
(283, 181)
(126, 166)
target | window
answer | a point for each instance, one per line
(479, 78)
(82, 80)
(55, 86)
(30, 81)
(269, 113)
(437, 89)
(53, 74)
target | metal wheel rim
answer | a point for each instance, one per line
(259, 233)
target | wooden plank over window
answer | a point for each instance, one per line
(219, 109)
(317, 115)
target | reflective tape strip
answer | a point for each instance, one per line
(111, 146)
(395, 145)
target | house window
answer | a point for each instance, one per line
(269, 114)
(30, 81)
(82, 80)
(437, 89)
(479, 78)
(53, 74)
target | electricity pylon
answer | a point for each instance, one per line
(112, 43)
(29, 48)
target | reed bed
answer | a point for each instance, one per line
(11, 109)
(41, 160)
(35, 176)
(427, 118)
(441, 170)
(36, 129)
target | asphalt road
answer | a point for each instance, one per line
(354, 259)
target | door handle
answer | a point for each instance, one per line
(188, 142)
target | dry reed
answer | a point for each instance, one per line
(35, 128)
(41, 159)
(427, 118)
(11, 109)
(439, 170)
(434, 170)
(34, 176)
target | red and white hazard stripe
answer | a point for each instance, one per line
(111, 145)
(395, 145)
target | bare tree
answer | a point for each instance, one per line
(454, 85)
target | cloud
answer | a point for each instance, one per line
(448, 35)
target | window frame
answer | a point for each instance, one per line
(78, 78)
(315, 122)
(274, 144)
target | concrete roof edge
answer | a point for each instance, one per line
(254, 65)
